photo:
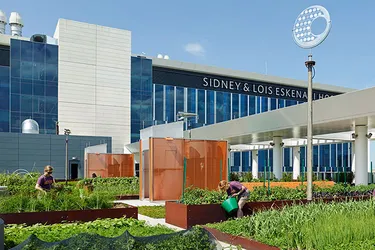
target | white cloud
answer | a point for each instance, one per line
(195, 49)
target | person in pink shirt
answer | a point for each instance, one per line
(233, 189)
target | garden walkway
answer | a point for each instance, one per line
(154, 222)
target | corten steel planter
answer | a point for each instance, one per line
(245, 243)
(53, 217)
(186, 216)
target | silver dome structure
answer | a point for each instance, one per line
(3, 22)
(16, 24)
(30, 126)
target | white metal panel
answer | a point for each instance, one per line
(96, 61)
(331, 115)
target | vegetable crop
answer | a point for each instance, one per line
(15, 234)
(313, 226)
(113, 186)
(22, 196)
(196, 196)
(89, 236)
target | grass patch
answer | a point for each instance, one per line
(156, 212)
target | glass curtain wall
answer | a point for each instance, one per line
(34, 85)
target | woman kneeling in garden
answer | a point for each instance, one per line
(233, 189)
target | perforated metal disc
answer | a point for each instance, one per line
(302, 30)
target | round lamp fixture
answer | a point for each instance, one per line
(302, 30)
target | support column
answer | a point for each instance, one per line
(296, 162)
(254, 164)
(277, 157)
(361, 156)
(353, 157)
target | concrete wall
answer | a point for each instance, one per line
(33, 152)
(94, 81)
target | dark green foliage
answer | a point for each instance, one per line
(54, 201)
(304, 175)
(233, 176)
(342, 177)
(313, 226)
(15, 234)
(287, 177)
(196, 196)
(114, 186)
(19, 183)
(93, 237)
(152, 211)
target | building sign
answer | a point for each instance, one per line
(233, 85)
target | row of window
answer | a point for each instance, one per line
(210, 106)
(326, 158)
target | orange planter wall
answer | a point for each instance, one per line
(251, 185)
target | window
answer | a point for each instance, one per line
(4, 56)
(159, 94)
(210, 109)
(245, 161)
(169, 104)
(273, 104)
(264, 104)
(339, 157)
(237, 159)
(315, 158)
(244, 105)
(333, 158)
(201, 106)
(15, 49)
(287, 163)
(251, 105)
(235, 106)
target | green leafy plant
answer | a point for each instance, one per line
(197, 196)
(287, 177)
(313, 226)
(15, 234)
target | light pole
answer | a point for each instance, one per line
(306, 39)
(66, 133)
(184, 115)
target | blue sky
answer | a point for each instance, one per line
(241, 35)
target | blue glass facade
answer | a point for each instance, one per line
(142, 96)
(4, 95)
(28, 85)
(217, 106)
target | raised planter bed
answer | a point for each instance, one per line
(245, 243)
(53, 217)
(187, 216)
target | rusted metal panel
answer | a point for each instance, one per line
(53, 217)
(245, 243)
